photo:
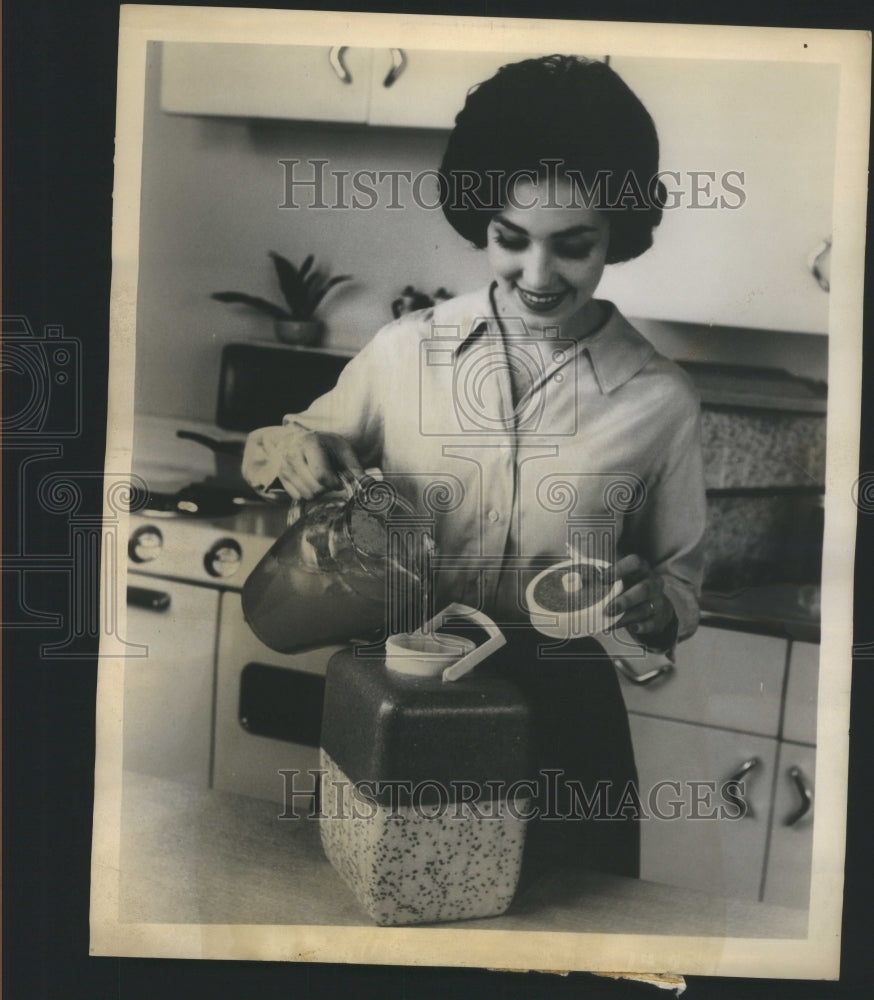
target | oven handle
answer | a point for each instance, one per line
(150, 600)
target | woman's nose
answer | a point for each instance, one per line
(537, 271)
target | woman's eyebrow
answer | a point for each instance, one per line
(571, 231)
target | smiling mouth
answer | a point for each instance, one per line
(539, 301)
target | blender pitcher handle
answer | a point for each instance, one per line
(467, 663)
(352, 484)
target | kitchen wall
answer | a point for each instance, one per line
(211, 196)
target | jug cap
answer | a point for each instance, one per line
(426, 653)
(421, 655)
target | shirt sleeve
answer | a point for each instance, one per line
(353, 408)
(668, 530)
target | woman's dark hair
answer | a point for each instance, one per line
(552, 117)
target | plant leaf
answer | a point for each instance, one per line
(289, 282)
(254, 302)
(307, 264)
(322, 292)
(313, 291)
(311, 282)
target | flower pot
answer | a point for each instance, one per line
(294, 331)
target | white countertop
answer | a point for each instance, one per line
(208, 857)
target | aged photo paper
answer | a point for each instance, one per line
(249, 138)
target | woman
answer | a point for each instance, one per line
(545, 418)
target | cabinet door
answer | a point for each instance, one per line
(717, 258)
(799, 720)
(700, 846)
(264, 81)
(168, 694)
(432, 85)
(721, 678)
(787, 880)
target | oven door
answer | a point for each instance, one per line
(168, 693)
(268, 711)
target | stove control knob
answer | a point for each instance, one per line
(145, 544)
(224, 558)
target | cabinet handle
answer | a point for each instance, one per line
(806, 795)
(813, 263)
(335, 57)
(738, 776)
(646, 676)
(151, 600)
(398, 65)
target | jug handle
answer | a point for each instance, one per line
(351, 485)
(467, 663)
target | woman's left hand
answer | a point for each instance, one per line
(643, 605)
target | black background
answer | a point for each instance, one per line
(59, 68)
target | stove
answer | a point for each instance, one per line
(210, 705)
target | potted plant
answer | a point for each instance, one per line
(302, 288)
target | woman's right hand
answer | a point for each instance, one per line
(306, 462)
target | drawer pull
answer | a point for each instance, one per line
(813, 262)
(737, 778)
(335, 56)
(805, 794)
(151, 600)
(398, 65)
(644, 677)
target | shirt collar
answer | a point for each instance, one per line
(616, 351)
(464, 317)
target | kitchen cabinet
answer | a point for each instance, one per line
(790, 851)
(722, 678)
(168, 693)
(724, 705)
(693, 836)
(787, 880)
(799, 721)
(719, 257)
(309, 82)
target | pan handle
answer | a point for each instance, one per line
(234, 448)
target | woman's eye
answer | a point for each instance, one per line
(509, 242)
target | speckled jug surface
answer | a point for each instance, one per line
(420, 816)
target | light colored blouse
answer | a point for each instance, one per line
(521, 448)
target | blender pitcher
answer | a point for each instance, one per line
(350, 565)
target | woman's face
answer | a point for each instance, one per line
(547, 254)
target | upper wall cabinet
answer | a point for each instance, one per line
(409, 88)
(749, 148)
(311, 82)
